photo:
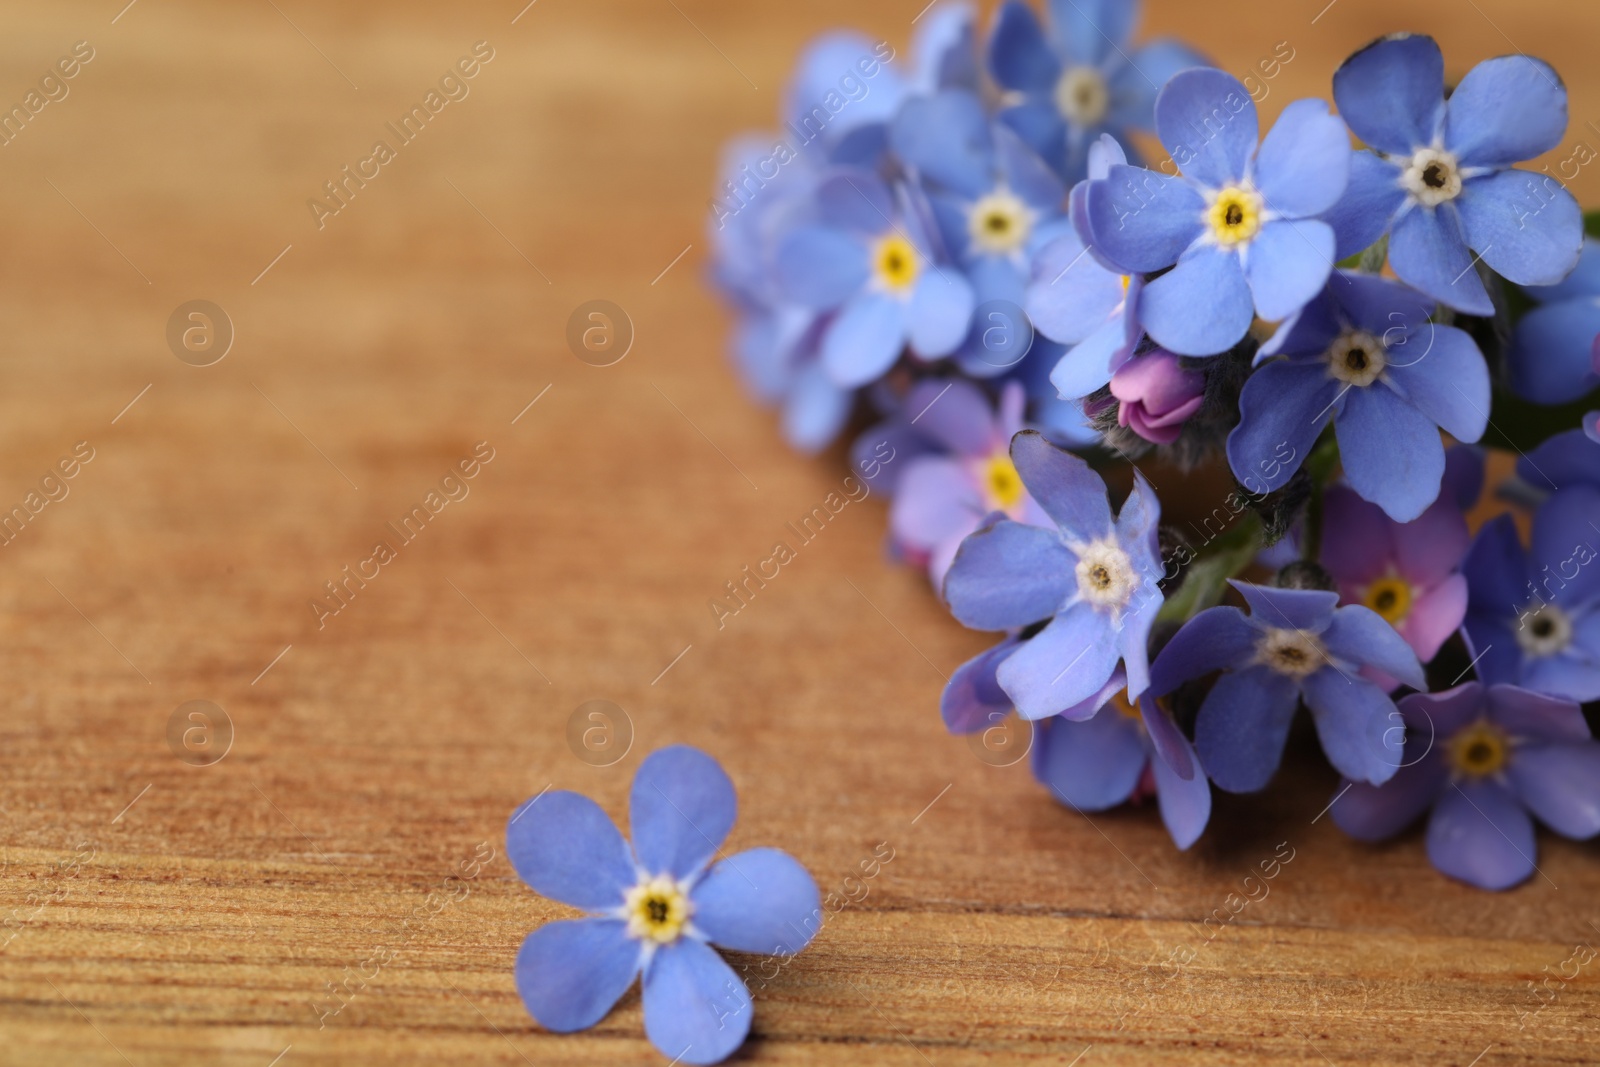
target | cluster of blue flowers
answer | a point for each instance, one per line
(966, 251)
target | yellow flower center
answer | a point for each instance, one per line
(1389, 597)
(1082, 96)
(1001, 483)
(1479, 750)
(657, 910)
(895, 263)
(1234, 216)
(999, 223)
(1124, 707)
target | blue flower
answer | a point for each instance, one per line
(841, 97)
(1080, 79)
(1569, 458)
(1237, 222)
(1533, 617)
(1076, 298)
(1294, 644)
(871, 258)
(1483, 760)
(1553, 346)
(1441, 181)
(656, 908)
(1093, 578)
(1365, 356)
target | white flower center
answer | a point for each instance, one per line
(1357, 357)
(1106, 576)
(1545, 632)
(1292, 652)
(657, 910)
(1083, 96)
(1432, 176)
(999, 223)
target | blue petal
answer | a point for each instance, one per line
(946, 137)
(1564, 674)
(1185, 802)
(1427, 249)
(865, 340)
(1482, 836)
(1219, 638)
(1094, 764)
(1373, 812)
(1303, 166)
(1505, 110)
(1530, 717)
(1135, 85)
(1383, 307)
(1391, 452)
(1019, 59)
(855, 200)
(820, 267)
(1283, 408)
(1566, 459)
(816, 410)
(1287, 264)
(569, 850)
(1391, 93)
(1584, 281)
(681, 807)
(1087, 366)
(1565, 530)
(695, 1008)
(1553, 352)
(1207, 121)
(1463, 475)
(973, 700)
(1061, 665)
(940, 313)
(1561, 785)
(570, 973)
(819, 69)
(1142, 220)
(1360, 635)
(1065, 486)
(1353, 718)
(761, 900)
(1026, 173)
(1071, 295)
(1202, 306)
(1447, 381)
(955, 414)
(1041, 128)
(1364, 212)
(1009, 575)
(1088, 32)
(1133, 635)
(1172, 749)
(1526, 226)
(1242, 727)
(1296, 609)
(945, 49)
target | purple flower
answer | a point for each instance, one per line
(1409, 573)
(1488, 758)
(1093, 578)
(1533, 617)
(1081, 78)
(871, 259)
(1156, 395)
(1237, 221)
(1553, 348)
(942, 497)
(1364, 355)
(1294, 644)
(1441, 180)
(655, 909)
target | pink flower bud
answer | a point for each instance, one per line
(1156, 395)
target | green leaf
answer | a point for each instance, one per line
(1206, 580)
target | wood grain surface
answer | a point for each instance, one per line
(163, 913)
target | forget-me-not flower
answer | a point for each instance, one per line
(1553, 346)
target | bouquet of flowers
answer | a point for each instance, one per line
(1040, 255)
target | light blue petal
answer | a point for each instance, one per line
(1009, 575)
(1391, 93)
(681, 807)
(1353, 718)
(1561, 784)
(1372, 813)
(1070, 295)
(1552, 357)
(955, 414)
(1088, 366)
(1090, 31)
(1391, 452)
(1142, 220)
(820, 267)
(1441, 373)
(1282, 410)
(570, 973)
(1584, 281)
(1295, 609)
(1481, 835)
(1202, 306)
(946, 137)
(1027, 175)
(1061, 665)
(1304, 163)
(856, 200)
(815, 411)
(865, 340)
(1564, 522)
(761, 900)
(1219, 638)
(1094, 764)
(940, 313)
(1360, 635)
(1369, 204)
(1536, 717)
(1019, 58)
(973, 700)
(1207, 121)
(569, 850)
(1428, 250)
(1133, 635)
(1185, 802)
(1507, 109)
(1064, 485)
(1287, 264)
(1135, 84)
(1526, 226)
(1242, 726)
(696, 1009)
(1042, 129)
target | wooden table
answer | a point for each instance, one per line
(181, 913)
